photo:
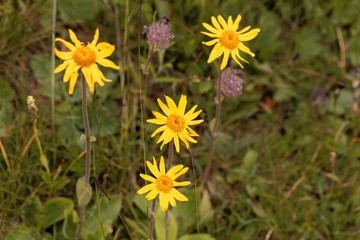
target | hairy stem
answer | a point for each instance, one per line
(214, 134)
(88, 147)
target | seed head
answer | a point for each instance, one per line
(32, 109)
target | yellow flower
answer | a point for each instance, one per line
(86, 58)
(163, 184)
(228, 40)
(176, 123)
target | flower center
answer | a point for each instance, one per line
(176, 122)
(229, 40)
(164, 183)
(84, 56)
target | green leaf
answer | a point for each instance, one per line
(200, 236)
(100, 217)
(23, 233)
(32, 212)
(54, 211)
(161, 225)
(70, 226)
(85, 10)
(206, 210)
(83, 192)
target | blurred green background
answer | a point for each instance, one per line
(287, 160)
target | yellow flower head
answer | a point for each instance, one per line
(228, 40)
(86, 58)
(164, 183)
(176, 123)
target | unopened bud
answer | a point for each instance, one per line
(231, 83)
(159, 34)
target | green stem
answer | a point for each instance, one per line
(37, 139)
(53, 27)
(152, 220)
(88, 148)
(87, 132)
(214, 134)
(196, 192)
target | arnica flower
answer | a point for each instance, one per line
(231, 83)
(164, 183)
(85, 57)
(159, 34)
(176, 124)
(228, 40)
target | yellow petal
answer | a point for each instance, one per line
(222, 22)
(195, 122)
(183, 138)
(181, 184)
(73, 80)
(211, 42)
(230, 22)
(69, 70)
(74, 38)
(152, 194)
(153, 168)
(95, 73)
(96, 38)
(176, 143)
(164, 135)
(225, 59)
(236, 23)
(163, 107)
(88, 77)
(174, 170)
(192, 132)
(147, 177)
(62, 66)
(155, 121)
(171, 200)
(164, 203)
(210, 28)
(182, 172)
(249, 35)
(160, 117)
(171, 104)
(212, 35)
(104, 49)
(107, 63)
(235, 57)
(190, 139)
(182, 105)
(146, 188)
(158, 130)
(215, 53)
(245, 29)
(216, 23)
(63, 55)
(243, 48)
(189, 117)
(178, 196)
(162, 165)
(67, 44)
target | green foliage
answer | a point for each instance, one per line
(274, 172)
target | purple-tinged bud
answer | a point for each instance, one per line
(231, 83)
(159, 34)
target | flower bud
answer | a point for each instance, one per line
(159, 34)
(231, 83)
